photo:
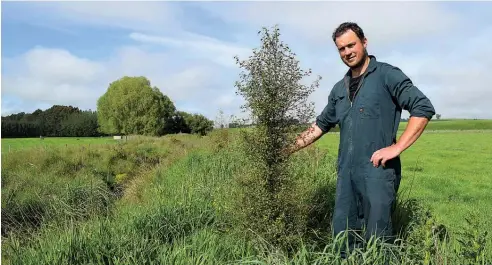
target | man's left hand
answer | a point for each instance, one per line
(385, 154)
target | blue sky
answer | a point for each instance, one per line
(68, 52)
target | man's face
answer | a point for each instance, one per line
(351, 48)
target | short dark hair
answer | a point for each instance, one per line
(344, 27)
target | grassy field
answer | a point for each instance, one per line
(177, 200)
(16, 144)
(456, 124)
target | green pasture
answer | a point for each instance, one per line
(16, 144)
(454, 124)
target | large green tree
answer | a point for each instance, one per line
(132, 106)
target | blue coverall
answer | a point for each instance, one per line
(366, 193)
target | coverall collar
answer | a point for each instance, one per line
(371, 67)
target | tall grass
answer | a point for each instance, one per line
(40, 186)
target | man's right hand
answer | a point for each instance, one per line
(309, 136)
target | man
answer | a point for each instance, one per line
(367, 105)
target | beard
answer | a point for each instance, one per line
(361, 62)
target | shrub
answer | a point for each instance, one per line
(270, 84)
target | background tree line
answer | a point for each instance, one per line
(54, 122)
(130, 106)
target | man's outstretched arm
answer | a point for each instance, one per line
(309, 136)
(324, 122)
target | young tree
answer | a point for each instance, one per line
(271, 85)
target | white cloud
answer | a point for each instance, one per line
(152, 16)
(456, 78)
(51, 76)
(59, 66)
(199, 46)
(384, 22)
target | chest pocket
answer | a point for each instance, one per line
(369, 102)
(342, 107)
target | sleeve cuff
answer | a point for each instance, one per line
(324, 127)
(422, 114)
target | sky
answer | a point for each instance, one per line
(67, 53)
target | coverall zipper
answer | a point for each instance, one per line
(350, 147)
